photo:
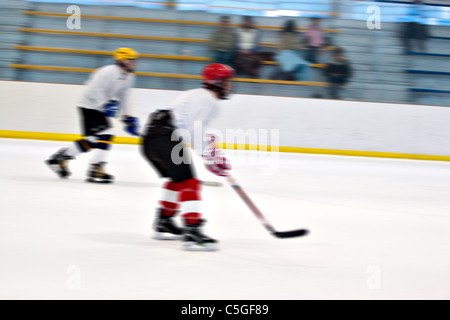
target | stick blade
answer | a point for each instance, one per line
(291, 234)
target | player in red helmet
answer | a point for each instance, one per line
(216, 77)
(185, 118)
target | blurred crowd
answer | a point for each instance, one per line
(295, 54)
(414, 31)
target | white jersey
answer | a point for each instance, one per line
(193, 111)
(104, 84)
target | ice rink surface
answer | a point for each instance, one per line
(380, 229)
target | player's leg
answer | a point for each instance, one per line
(190, 211)
(189, 198)
(168, 207)
(183, 190)
(181, 195)
(58, 162)
(101, 145)
(154, 149)
(98, 135)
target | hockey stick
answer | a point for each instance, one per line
(259, 215)
(211, 183)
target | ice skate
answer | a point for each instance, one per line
(58, 163)
(97, 174)
(165, 228)
(195, 240)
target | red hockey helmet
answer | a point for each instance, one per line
(215, 76)
(217, 73)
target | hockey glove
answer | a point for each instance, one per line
(110, 108)
(131, 125)
(215, 161)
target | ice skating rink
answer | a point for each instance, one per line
(380, 229)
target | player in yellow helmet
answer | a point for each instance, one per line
(104, 97)
(126, 58)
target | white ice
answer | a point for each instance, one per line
(380, 229)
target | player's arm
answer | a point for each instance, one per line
(214, 159)
(131, 122)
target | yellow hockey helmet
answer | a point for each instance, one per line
(125, 54)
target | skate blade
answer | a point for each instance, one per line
(194, 246)
(94, 180)
(165, 236)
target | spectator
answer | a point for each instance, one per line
(414, 29)
(338, 72)
(247, 58)
(314, 39)
(222, 42)
(291, 64)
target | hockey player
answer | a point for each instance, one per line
(191, 112)
(106, 93)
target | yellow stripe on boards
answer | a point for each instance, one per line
(31, 135)
(126, 140)
(229, 146)
(9, 134)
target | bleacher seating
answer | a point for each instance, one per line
(173, 40)
(174, 51)
(430, 77)
(10, 18)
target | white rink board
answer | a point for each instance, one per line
(303, 123)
